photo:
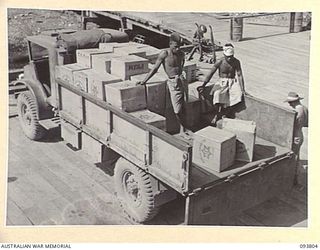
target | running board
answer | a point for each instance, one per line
(51, 123)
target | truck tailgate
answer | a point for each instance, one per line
(238, 189)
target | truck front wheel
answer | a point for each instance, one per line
(28, 116)
(134, 191)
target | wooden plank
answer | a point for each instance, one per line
(15, 215)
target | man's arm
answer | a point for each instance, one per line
(211, 73)
(240, 78)
(182, 62)
(155, 68)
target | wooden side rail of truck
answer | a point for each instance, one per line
(167, 160)
(153, 167)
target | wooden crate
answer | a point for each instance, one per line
(71, 103)
(156, 91)
(97, 118)
(246, 135)
(130, 50)
(65, 72)
(111, 46)
(97, 82)
(151, 53)
(71, 134)
(126, 66)
(150, 118)
(214, 149)
(81, 79)
(206, 98)
(133, 135)
(84, 56)
(191, 71)
(126, 95)
(102, 62)
(97, 151)
(192, 112)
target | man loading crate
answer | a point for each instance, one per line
(173, 60)
(228, 91)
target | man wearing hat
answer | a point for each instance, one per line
(229, 89)
(172, 60)
(293, 99)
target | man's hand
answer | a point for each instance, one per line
(297, 140)
(245, 93)
(140, 83)
(200, 89)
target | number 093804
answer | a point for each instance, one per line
(309, 246)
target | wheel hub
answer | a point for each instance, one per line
(132, 188)
(26, 115)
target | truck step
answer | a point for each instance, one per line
(51, 123)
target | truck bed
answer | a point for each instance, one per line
(263, 150)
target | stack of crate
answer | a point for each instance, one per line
(105, 73)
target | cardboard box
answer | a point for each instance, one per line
(126, 95)
(97, 118)
(84, 56)
(71, 134)
(156, 92)
(246, 135)
(97, 82)
(97, 151)
(150, 118)
(126, 66)
(71, 103)
(214, 149)
(65, 72)
(191, 71)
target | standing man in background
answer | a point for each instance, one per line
(199, 40)
(173, 60)
(302, 119)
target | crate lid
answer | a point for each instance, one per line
(214, 134)
(147, 116)
(130, 58)
(74, 66)
(238, 125)
(156, 78)
(103, 76)
(124, 85)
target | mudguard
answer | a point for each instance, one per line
(44, 109)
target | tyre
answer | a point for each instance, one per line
(134, 192)
(28, 116)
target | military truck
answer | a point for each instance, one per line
(158, 166)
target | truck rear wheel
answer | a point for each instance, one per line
(28, 116)
(134, 191)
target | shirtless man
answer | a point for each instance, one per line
(172, 60)
(227, 91)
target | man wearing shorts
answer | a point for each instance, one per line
(172, 60)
